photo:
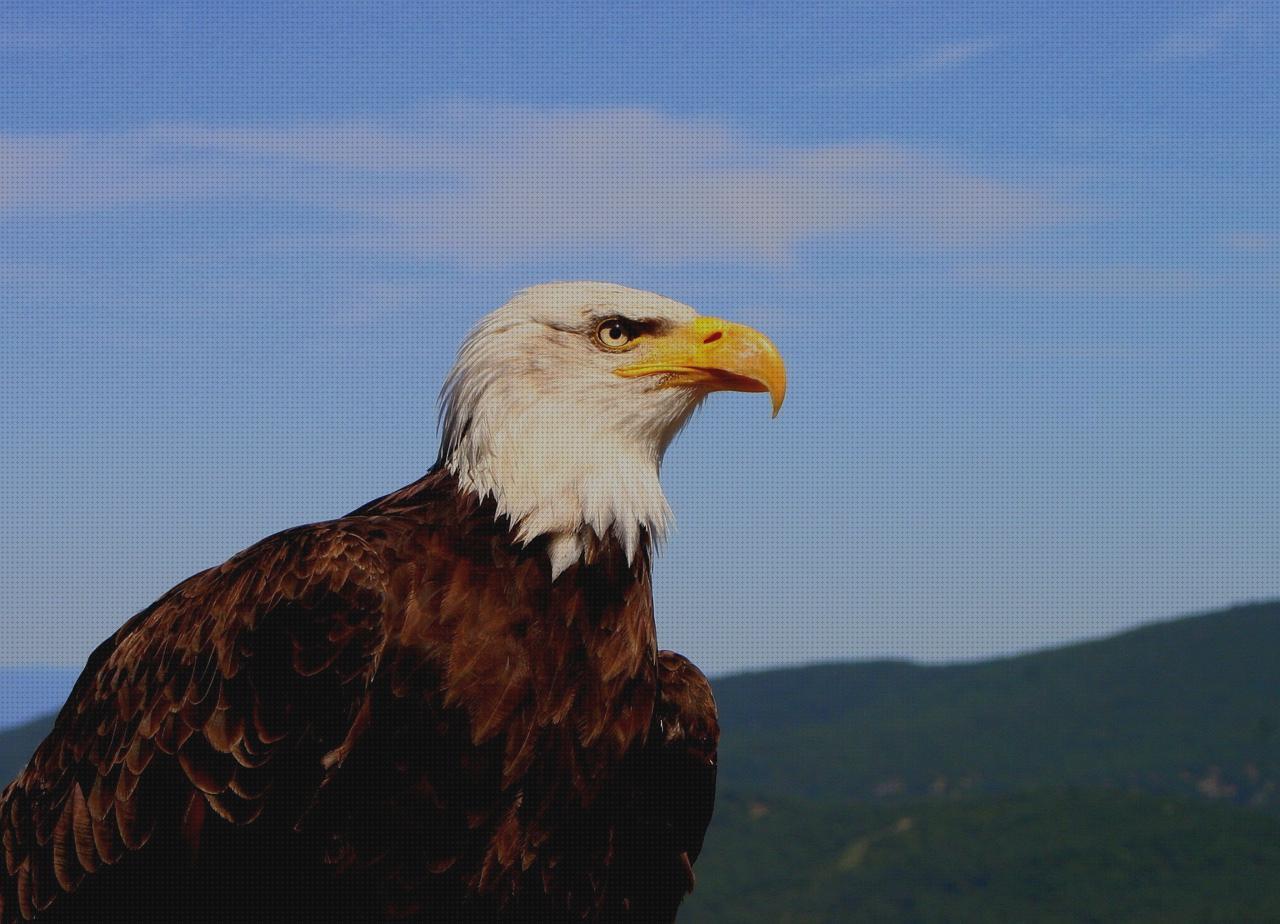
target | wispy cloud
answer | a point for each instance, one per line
(1198, 39)
(488, 184)
(933, 60)
(1104, 279)
(1252, 241)
(60, 174)
(12, 36)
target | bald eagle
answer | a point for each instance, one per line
(448, 705)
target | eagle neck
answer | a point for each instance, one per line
(573, 502)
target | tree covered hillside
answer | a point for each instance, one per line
(1189, 706)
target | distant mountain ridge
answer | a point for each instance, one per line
(1129, 779)
(17, 745)
(1186, 706)
(28, 692)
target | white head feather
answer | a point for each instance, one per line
(534, 416)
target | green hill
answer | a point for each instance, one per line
(1189, 706)
(1044, 857)
(16, 745)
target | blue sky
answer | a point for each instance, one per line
(1023, 260)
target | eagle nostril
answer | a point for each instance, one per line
(713, 337)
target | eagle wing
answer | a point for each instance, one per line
(690, 737)
(671, 795)
(194, 712)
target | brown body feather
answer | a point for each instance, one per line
(397, 715)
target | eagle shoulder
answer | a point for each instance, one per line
(669, 795)
(195, 710)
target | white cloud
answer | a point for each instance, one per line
(933, 60)
(1104, 279)
(13, 36)
(1249, 241)
(60, 174)
(498, 184)
(1198, 39)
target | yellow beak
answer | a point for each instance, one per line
(716, 355)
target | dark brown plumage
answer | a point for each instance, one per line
(396, 715)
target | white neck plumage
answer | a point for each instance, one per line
(557, 466)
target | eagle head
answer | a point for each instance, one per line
(563, 401)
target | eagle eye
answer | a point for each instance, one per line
(614, 333)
